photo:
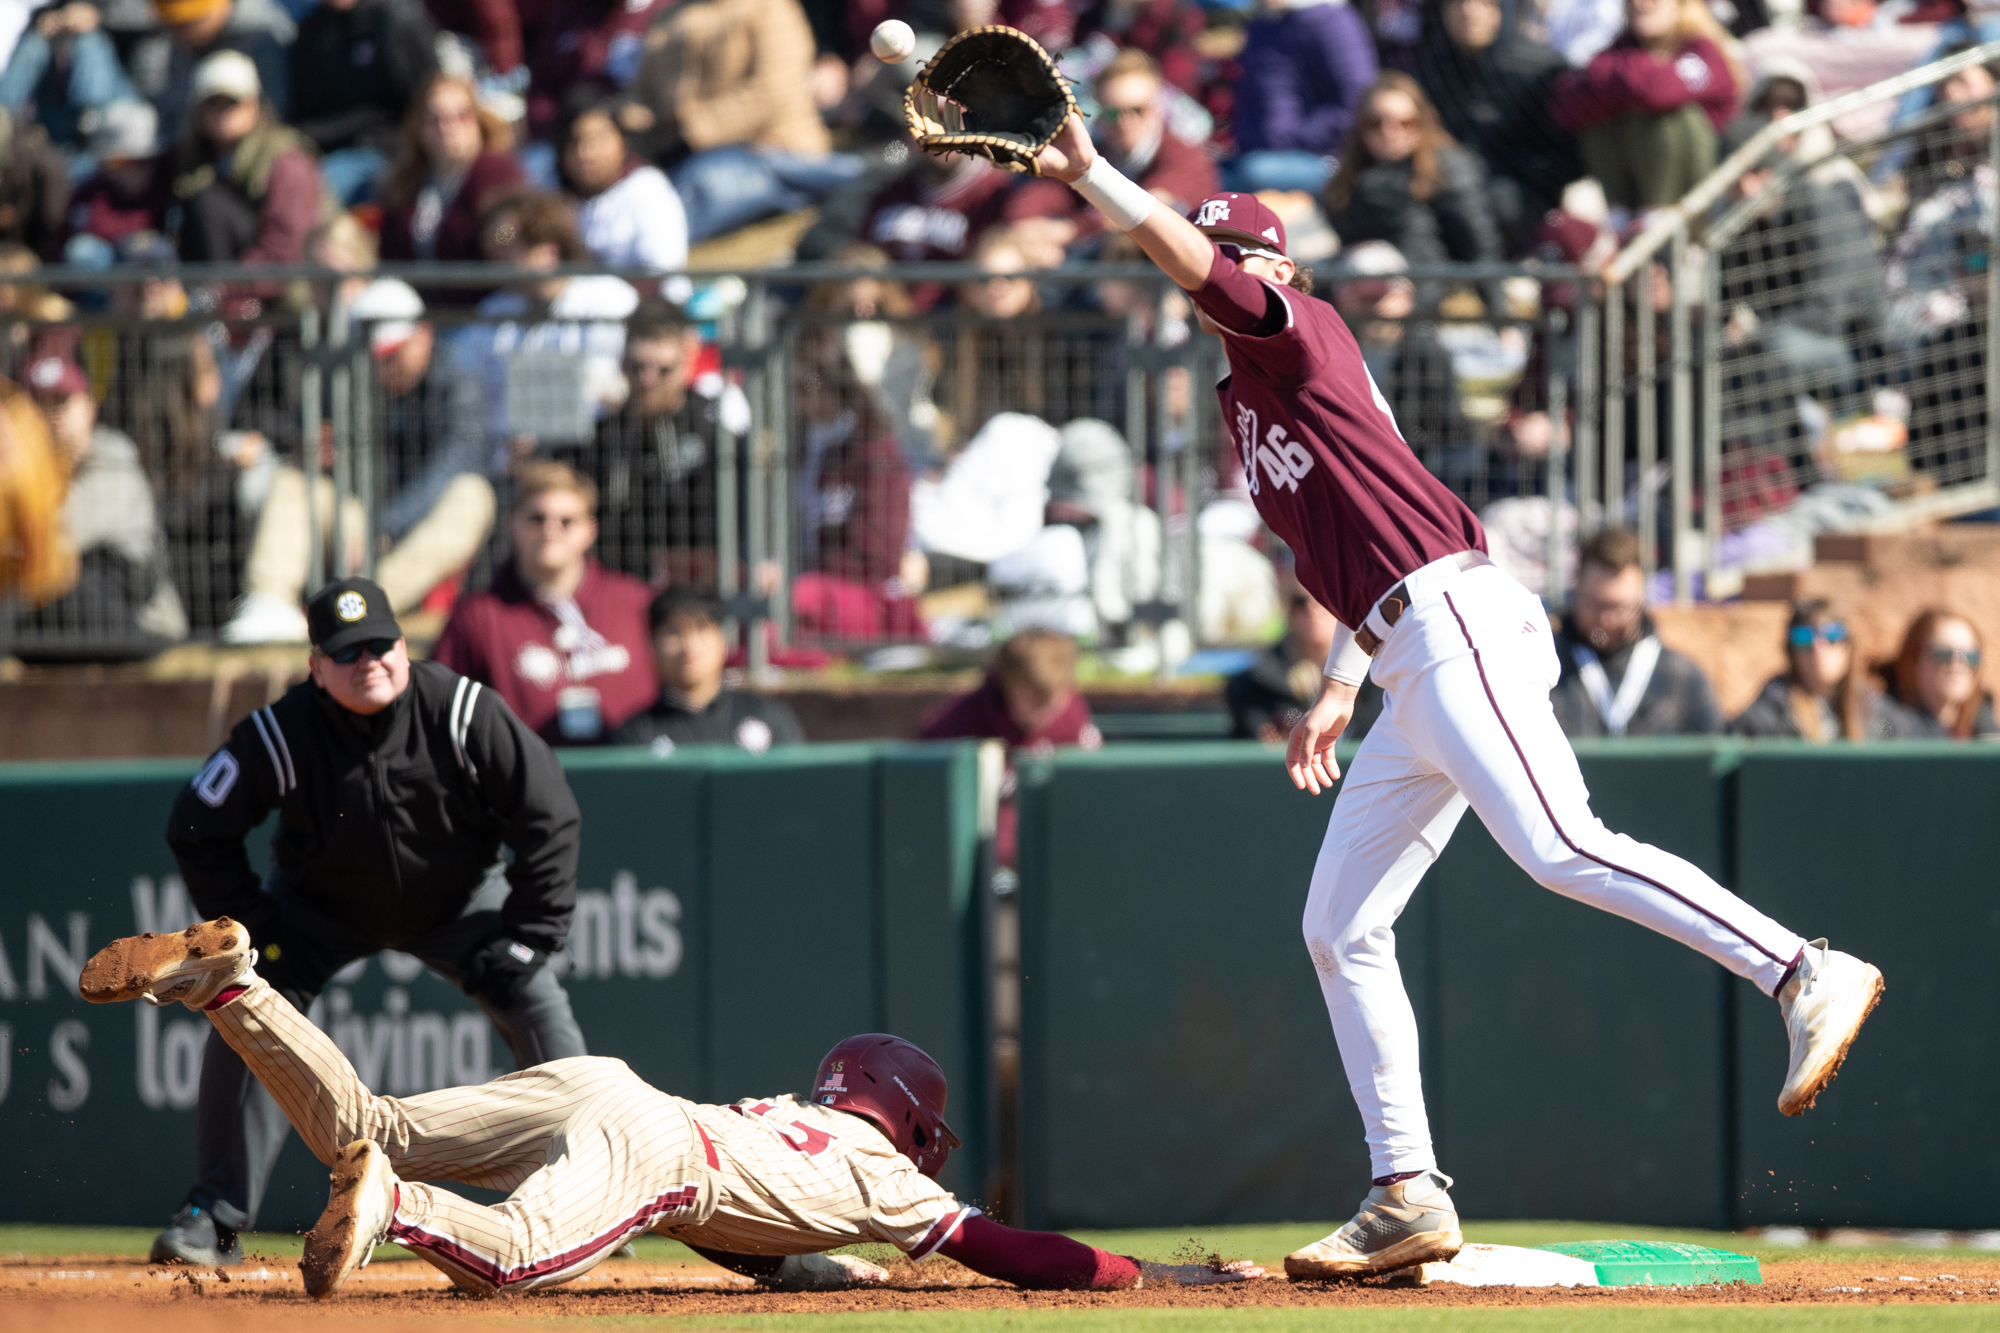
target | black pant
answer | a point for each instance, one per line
(239, 1129)
(217, 225)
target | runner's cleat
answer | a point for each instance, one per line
(193, 966)
(356, 1220)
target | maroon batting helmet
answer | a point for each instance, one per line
(891, 1082)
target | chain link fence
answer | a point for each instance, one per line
(891, 464)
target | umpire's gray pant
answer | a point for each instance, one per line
(239, 1129)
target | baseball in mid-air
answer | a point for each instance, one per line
(893, 41)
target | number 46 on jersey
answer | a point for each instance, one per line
(1282, 460)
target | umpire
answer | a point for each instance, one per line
(396, 783)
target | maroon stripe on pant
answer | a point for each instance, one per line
(417, 1238)
(1479, 663)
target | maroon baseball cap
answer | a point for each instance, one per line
(54, 376)
(1242, 219)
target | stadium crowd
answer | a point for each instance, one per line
(139, 136)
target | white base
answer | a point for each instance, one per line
(1504, 1266)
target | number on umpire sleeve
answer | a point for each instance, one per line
(214, 783)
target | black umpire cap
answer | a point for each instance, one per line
(349, 611)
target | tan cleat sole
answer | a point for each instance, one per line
(1426, 1247)
(1815, 1080)
(141, 965)
(343, 1238)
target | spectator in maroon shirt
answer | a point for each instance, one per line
(579, 43)
(1030, 701)
(129, 192)
(854, 505)
(493, 25)
(454, 160)
(562, 639)
(934, 212)
(1133, 135)
(1648, 107)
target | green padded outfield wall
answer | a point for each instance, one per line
(737, 916)
(1178, 1065)
(1894, 856)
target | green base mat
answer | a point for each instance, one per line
(1653, 1263)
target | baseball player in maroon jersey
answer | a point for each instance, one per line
(591, 1155)
(1465, 658)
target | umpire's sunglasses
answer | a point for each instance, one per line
(1833, 631)
(351, 654)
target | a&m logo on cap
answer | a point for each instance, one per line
(1213, 213)
(350, 606)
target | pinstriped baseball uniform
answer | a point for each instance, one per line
(592, 1155)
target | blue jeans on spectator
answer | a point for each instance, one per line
(95, 79)
(1277, 169)
(724, 188)
(351, 173)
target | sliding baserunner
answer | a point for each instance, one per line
(590, 1155)
(1465, 659)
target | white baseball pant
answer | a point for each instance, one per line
(590, 1154)
(1466, 674)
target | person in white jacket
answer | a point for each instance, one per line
(628, 212)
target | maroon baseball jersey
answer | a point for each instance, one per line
(1325, 464)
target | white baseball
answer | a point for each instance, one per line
(893, 41)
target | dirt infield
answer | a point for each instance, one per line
(83, 1297)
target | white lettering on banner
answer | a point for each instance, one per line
(398, 1052)
(170, 1052)
(65, 1047)
(9, 988)
(162, 911)
(623, 933)
(6, 1059)
(46, 952)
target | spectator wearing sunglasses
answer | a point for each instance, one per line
(1822, 695)
(1132, 132)
(397, 785)
(1935, 677)
(561, 638)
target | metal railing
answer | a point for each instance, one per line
(1820, 333)
(799, 474)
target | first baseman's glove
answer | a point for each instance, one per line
(989, 91)
(499, 969)
(825, 1272)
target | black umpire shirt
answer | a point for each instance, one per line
(753, 722)
(386, 823)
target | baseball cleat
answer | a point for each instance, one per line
(193, 966)
(1410, 1222)
(356, 1220)
(1824, 1005)
(195, 1238)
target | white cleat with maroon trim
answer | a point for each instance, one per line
(1824, 1005)
(356, 1220)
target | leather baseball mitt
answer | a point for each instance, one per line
(990, 91)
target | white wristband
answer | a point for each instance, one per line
(1345, 662)
(1124, 203)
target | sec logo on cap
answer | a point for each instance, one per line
(350, 606)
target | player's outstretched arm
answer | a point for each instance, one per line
(1169, 240)
(799, 1272)
(1045, 1261)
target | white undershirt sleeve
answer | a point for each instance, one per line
(1345, 662)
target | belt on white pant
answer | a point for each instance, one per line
(1394, 602)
